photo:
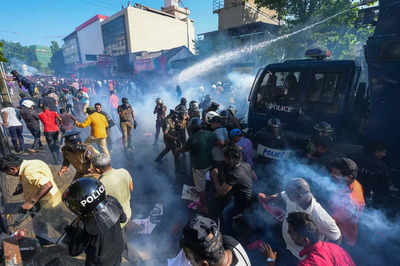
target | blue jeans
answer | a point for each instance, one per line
(16, 137)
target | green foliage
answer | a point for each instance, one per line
(342, 34)
(57, 64)
(2, 58)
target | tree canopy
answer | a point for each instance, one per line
(2, 58)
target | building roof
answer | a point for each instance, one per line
(90, 21)
(70, 35)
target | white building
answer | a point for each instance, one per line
(139, 28)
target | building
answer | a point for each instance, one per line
(43, 55)
(236, 13)
(139, 28)
(85, 43)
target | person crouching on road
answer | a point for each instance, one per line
(39, 189)
(97, 230)
(98, 133)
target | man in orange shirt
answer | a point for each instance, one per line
(347, 202)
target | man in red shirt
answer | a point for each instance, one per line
(347, 202)
(305, 233)
(51, 131)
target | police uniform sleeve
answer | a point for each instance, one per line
(35, 177)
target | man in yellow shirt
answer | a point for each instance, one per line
(39, 189)
(98, 133)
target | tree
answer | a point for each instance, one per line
(340, 34)
(57, 60)
(2, 58)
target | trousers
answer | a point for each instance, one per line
(126, 128)
(101, 142)
(16, 137)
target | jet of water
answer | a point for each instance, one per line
(211, 63)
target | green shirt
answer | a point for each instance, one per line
(200, 145)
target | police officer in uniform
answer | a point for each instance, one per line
(194, 110)
(97, 229)
(181, 123)
(127, 121)
(160, 110)
(78, 154)
(171, 139)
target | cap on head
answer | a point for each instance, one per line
(72, 136)
(236, 132)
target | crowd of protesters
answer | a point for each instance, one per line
(318, 227)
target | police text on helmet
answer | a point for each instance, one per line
(93, 196)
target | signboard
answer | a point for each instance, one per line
(91, 57)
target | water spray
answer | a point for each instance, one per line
(211, 63)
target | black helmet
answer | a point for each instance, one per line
(346, 166)
(324, 127)
(125, 100)
(274, 122)
(159, 101)
(72, 137)
(195, 124)
(194, 105)
(213, 106)
(183, 100)
(83, 195)
(181, 109)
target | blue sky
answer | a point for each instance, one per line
(40, 21)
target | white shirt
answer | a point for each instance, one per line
(325, 223)
(12, 118)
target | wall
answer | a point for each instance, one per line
(90, 40)
(148, 31)
(237, 13)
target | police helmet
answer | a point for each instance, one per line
(324, 127)
(72, 137)
(125, 100)
(84, 195)
(212, 117)
(194, 105)
(195, 124)
(214, 106)
(183, 100)
(274, 122)
(159, 101)
(180, 109)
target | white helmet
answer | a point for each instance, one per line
(210, 116)
(28, 103)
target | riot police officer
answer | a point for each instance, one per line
(171, 139)
(194, 110)
(160, 111)
(77, 154)
(181, 123)
(97, 229)
(271, 142)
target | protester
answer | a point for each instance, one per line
(97, 231)
(160, 110)
(347, 202)
(84, 100)
(200, 145)
(204, 244)
(23, 82)
(215, 122)
(98, 129)
(298, 198)
(51, 131)
(32, 121)
(67, 120)
(14, 126)
(304, 233)
(39, 190)
(243, 142)
(110, 121)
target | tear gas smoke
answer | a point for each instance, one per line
(211, 63)
(23, 68)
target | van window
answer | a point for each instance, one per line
(278, 87)
(324, 92)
